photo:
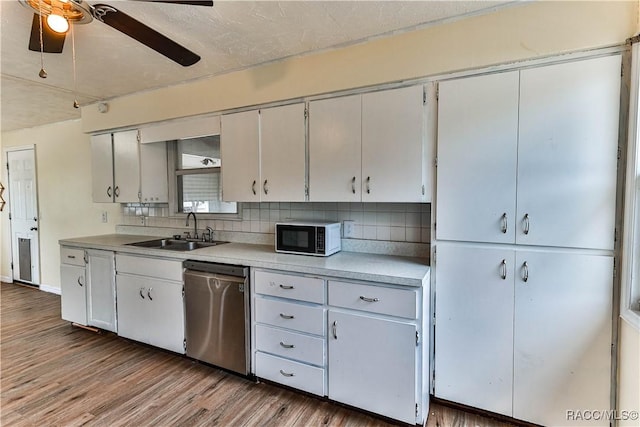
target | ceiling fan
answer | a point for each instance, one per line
(52, 17)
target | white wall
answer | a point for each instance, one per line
(521, 32)
(63, 162)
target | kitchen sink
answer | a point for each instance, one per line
(176, 244)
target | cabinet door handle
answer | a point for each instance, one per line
(353, 185)
(80, 281)
(71, 256)
(109, 191)
(253, 187)
(149, 294)
(286, 316)
(525, 272)
(525, 224)
(116, 191)
(286, 286)
(287, 345)
(334, 329)
(504, 223)
(287, 374)
(368, 185)
(503, 269)
(264, 187)
(363, 298)
(141, 294)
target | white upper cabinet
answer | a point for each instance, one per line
(126, 167)
(335, 149)
(102, 168)
(544, 139)
(282, 153)
(372, 147)
(264, 155)
(240, 151)
(393, 157)
(124, 171)
(567, 154)
(477, 155)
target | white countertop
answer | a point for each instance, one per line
(346, 265)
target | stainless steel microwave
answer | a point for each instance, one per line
(308, 238)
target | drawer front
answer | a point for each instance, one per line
(374, 299)
(301, 288)
(292, 345)
(151, 267)
(290, 315)
(290, 373)
(72, 256)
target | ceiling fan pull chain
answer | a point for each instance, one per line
(42, 73)
(73, 56)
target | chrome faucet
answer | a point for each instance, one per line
(210, 234)
(195, 224)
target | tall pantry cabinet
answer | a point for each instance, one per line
(525, 224)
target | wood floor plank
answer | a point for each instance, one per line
(55, 374)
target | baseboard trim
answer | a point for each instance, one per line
(6, 279)
(50, 289)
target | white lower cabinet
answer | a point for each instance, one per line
(101, 290)
(525, 333)
(150, 309)
(73, 285)
(361, 345)
(373, 364)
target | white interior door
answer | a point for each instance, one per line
(24, 216)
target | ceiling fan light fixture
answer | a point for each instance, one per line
(58, 23)
(75, 11)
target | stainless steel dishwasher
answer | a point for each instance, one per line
(217, 314)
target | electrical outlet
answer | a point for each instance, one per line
(348, 228)
(104, 216)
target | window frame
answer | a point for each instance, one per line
(630, 280)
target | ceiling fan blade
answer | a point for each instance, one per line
(52, 42)
(187, 2)
(145, 35)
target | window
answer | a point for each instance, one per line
(630, 308)
(198, 178)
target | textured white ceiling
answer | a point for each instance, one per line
(229, 36)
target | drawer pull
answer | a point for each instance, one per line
(363, 298)
(287, 345)
(71, 256)
(286, 316)
(286, 286)
(286, 374)
(334, 329)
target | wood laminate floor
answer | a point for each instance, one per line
(55, 374)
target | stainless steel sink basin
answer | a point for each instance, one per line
(175, 244)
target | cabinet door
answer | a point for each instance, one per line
(126, 167)
(393, 146)
(132, 308)
(74, 297)
(102, 168)
(562, 335)
(474, 326)
(477, 155)
(335, 158)
(372, 364)
(239, 149)
(165, 323)
(567, 159)
(153, 173)
(282, 153)
(101, 290)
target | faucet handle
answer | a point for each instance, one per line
(187, 234)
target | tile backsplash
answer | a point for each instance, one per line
(395, 222)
